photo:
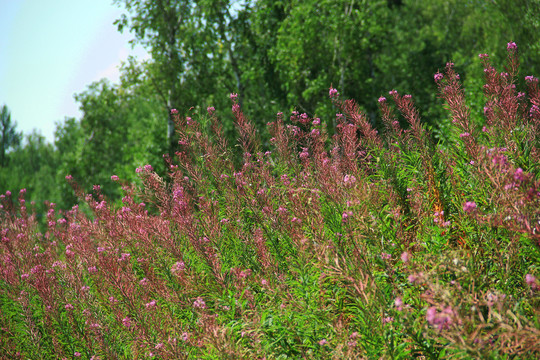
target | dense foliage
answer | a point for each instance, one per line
(363, 244)
(276, 55)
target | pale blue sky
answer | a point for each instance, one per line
(50, 50)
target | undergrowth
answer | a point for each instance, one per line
(360, 245)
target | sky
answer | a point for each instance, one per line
(51, 50)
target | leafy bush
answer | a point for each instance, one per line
(363, 245)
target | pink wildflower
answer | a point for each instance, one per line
(398, 303)
(438, 77)
(174, 111)
(440, 320)
(405, 257)
(114, 178)
(531, 281)
(511, 46)
(126, 321)
(518, 175)
(199, 303)
(469, 206)
(333, 93)
(178, 267)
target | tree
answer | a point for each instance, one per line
(168, 30)
(8, 136)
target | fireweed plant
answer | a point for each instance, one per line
(362, 245)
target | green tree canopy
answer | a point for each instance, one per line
(9, 137)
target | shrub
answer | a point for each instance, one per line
(362, 245)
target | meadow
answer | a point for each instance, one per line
(368, 243)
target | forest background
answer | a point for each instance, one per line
(278, 56)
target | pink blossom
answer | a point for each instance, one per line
(482, 56)
(178, 267)
(518, 175)
(345, 216)
(210, 110)
(233, 96)
(333, 93)
(349, 179)
(382, 99)
(469, 206)
(316, 121)
(77, 354)
(151, 304)
(126, 321)
(531, 281)
(69, 177)
(69, 307)
(511, 46)
(438, 77)
(386, 256)
(531, 79)
(441, 320)
(174, 111)
(323, 342)
(144, 282)
(405, 257)
(124, 256)
(199, 303)
(114, 178)
(398, 303)
(148, 167)
(535, 110)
